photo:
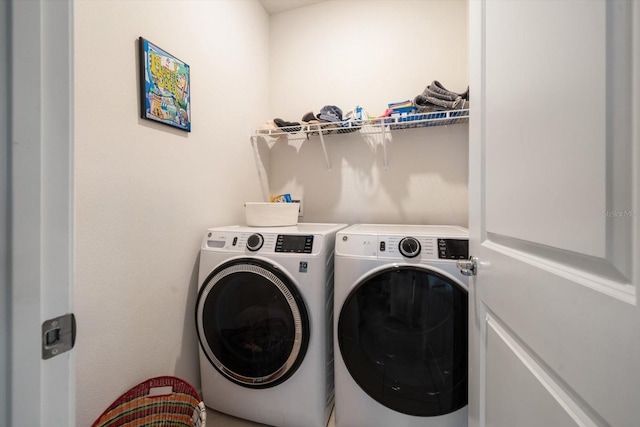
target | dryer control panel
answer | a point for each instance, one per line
(453, 249)
(416, 248)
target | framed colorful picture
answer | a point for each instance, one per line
(165, 94)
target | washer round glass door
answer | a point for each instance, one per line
(403, 338)
(252, 323)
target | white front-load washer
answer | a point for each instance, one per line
(400, 326)
(264, 319)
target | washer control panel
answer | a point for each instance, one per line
(255, 242)
(262, 242)
(409, 247)
(294, 243)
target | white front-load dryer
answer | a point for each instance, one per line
(400, 326)
(264, 319)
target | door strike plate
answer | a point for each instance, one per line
(58, 335)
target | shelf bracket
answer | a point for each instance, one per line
(262, 172)
(324, 150)
(384, 148)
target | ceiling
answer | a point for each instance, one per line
(277, 6)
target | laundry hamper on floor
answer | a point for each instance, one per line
(160, 401)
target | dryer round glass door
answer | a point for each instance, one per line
(252, 323)
(402, 334)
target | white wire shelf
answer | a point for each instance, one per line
(380, 125)
(377, 125)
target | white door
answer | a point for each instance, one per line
(41, 210)
(555, 213)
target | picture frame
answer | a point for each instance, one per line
(165, 87)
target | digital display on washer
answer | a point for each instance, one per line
(294, 243)
(453, 249)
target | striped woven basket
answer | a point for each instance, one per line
(161, 401)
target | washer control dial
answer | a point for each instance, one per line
(409, 247)
(255, 242)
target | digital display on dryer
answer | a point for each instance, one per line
(294, 244)
(453, 249)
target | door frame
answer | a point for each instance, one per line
(4, 215)
(40, 204)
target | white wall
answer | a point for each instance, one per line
(349, 53)
(146, 192)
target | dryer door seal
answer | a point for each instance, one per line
(402, 334)
(252, 323)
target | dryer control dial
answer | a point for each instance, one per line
(255, 242)
(409, 247)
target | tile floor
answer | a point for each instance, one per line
(218, 419)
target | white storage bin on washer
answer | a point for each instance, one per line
(265, 214)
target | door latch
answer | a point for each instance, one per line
(468, 267)
(58, 335)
